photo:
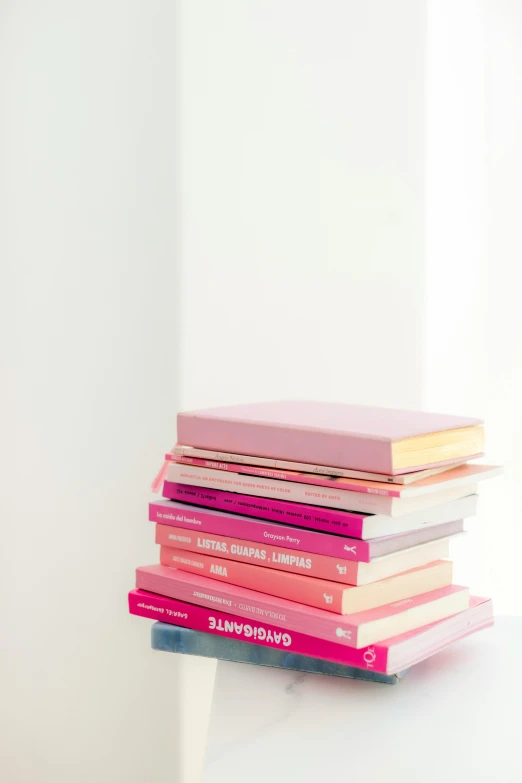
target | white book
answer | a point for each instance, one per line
(314, 495)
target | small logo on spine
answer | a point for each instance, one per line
(369, 657)
(341, 632)
(341, 569)
(350, 549)
(328, 598)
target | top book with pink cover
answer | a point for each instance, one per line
(352, 437)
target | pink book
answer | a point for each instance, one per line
(354, 630)
(306, 563)
(332, 596)
(354, 437)
(387, 657)
(299, 492)
(213, 520)
(456, 477)
(329, 520)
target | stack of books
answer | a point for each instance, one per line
(317, 529)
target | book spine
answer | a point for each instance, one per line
(287, 490)
(209, 620)
(249, 604)
(311, 517)
(304, 563)
(293, 587)
(294, 476)
(258, 530)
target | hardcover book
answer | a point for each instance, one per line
(261, 531)
(305, 563)
(387, 657)
(353, 437)
(185, 641)
(296, 492)
(354, 630)
(329, 520)
(332, 596)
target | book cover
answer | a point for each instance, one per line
(306, 563)
(455, 477)
(328, 520)
(345, 436)
(355, 630)
(261, 531)
(185, 641)
(422, 642)
(295, 492)
(332, 596)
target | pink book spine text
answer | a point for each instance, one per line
(305, 563)
(259, 531)
(343, 523)
(201, 618)
(294, 587)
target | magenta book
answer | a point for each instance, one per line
(358, 437)
(214, 521)
(387, 657)
(328, 520)
(354, 630)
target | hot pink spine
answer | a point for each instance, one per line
(344, 523)
(374, 657)
(261, 531)
(201, 618)
(304, 563)
(350, 485)
(293, 587)
(251, 604)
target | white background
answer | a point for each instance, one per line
(207, 202)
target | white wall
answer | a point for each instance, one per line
(302, 203)
(302, 137)
(88, 263)
(473, 333)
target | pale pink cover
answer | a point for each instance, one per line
(354, 437)
(306, 563)
(374, 657)
(262, 531)
(290, 615)
(461, 474)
